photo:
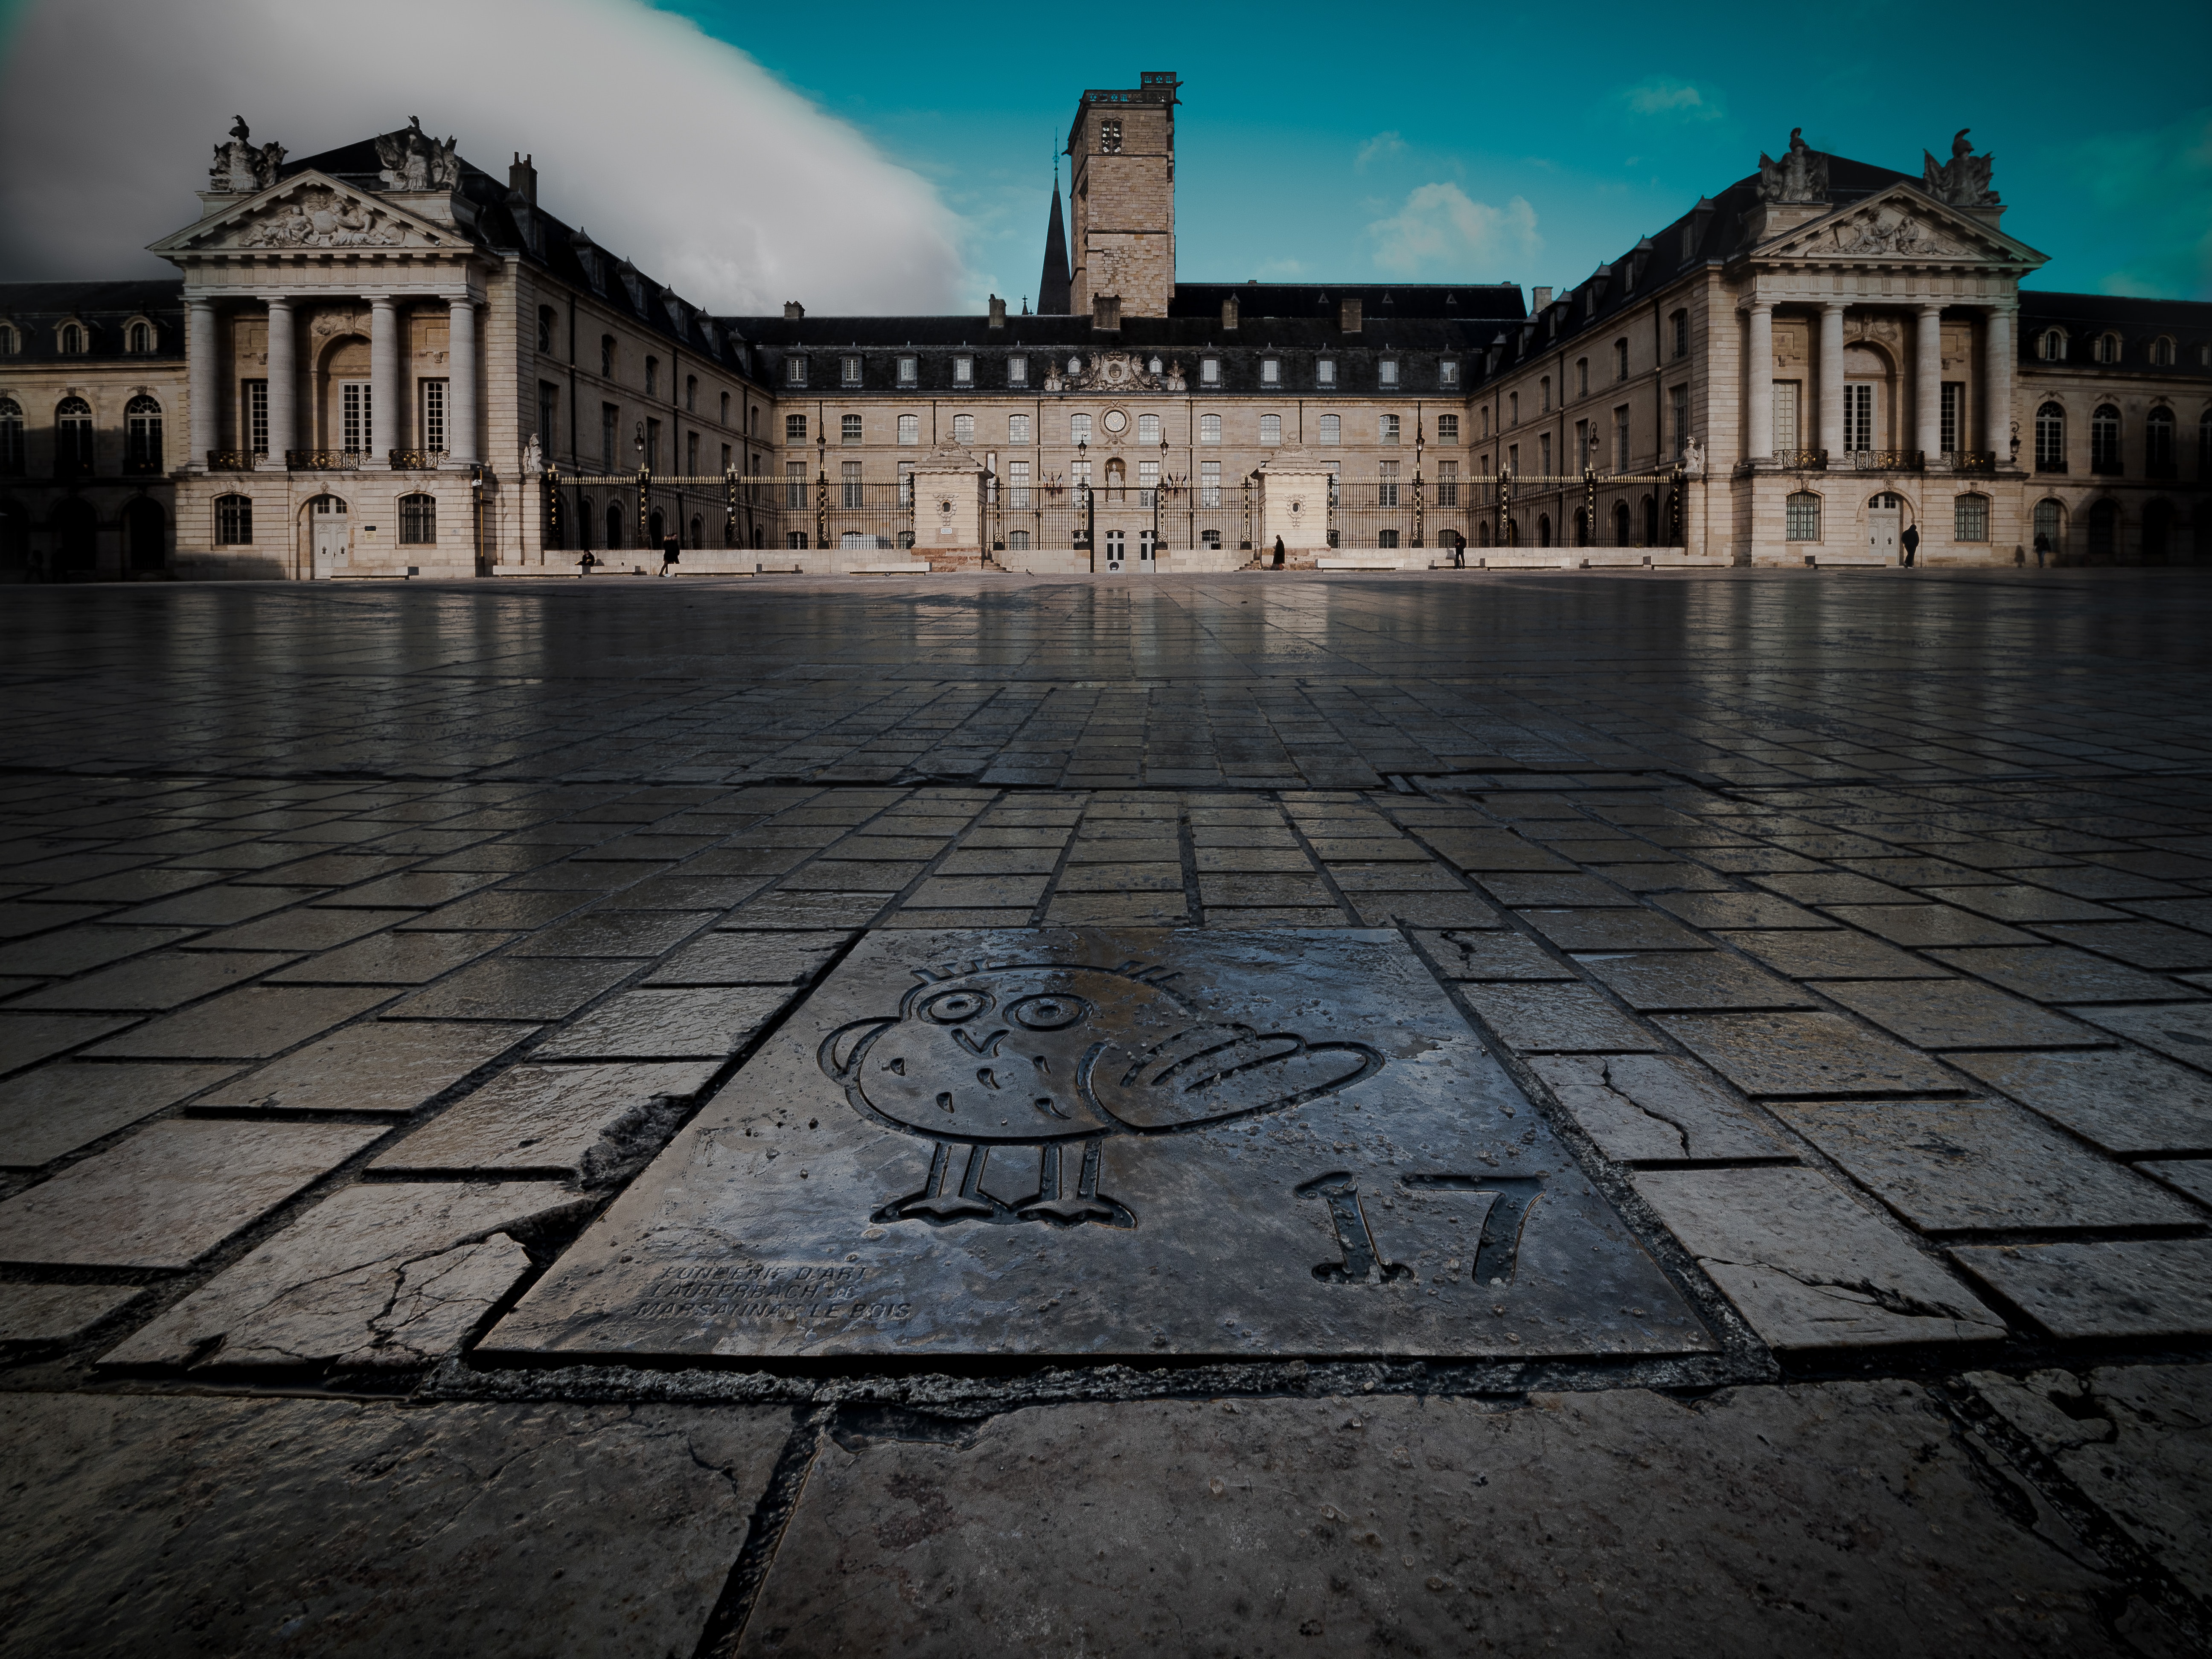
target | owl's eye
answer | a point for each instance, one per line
(950, 1007)
(1049, 1013)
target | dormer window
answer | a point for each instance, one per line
(1209, 371)
(794, 371)
(963, 371)
(2161, 352)
(1017, 371)
(71, 340)
(2052, 347)
(910, 370)
(9, 343)
(139, 338)
(848, 371)
(1448, 373)
(2108, 348)
(1271, 371)
(1325, 372)
(1388, 371)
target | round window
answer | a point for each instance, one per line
(1115, 421)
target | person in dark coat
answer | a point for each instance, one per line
(1911, 542)
(2042, 548)
(671, 551)
(584, 565)
(1279, 552)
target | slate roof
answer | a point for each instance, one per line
(104, 308)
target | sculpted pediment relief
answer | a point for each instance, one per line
(309, 211)
(1898, 224)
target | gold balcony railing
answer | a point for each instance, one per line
(230, 460)
(1801, 460)
(416, 460)
(322, 460)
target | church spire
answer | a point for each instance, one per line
(1053, 285)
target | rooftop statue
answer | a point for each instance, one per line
(413, 159)
(1964, 180)
(1801, 174)
(242, 168)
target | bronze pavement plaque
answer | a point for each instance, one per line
(1101, 1141)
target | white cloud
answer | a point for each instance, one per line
(1381, 146)
(673, 150)
(1676, 99)
(1440, 225)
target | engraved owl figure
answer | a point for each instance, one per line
(1062, 1058)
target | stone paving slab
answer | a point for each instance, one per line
(1680, 980)
(2148, 1287)
(2124, 1102)
(584, 1120)
(187, 1526)
(57, 1109)
(2182, 1031)
(46, 1314)
(253, 1023)
(1579, 1523)
(26, 1038)
(380, 1067)
(1785, 1056)
(1557, 1019)
(1956, 1014)
(1305, 1111)
(1658, 1108)
(2054, 973)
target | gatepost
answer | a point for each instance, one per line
(949, 522)
(1294, 489)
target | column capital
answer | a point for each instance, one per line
(1834, 307)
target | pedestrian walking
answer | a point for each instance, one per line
(2042, 548)
(1279, 552)
(1459, 550)
(671, 551)
(1911, 542)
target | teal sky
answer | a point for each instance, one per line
(1463, 143)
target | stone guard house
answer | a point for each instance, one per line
(384, 360)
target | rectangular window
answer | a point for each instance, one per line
(434, 417)
(1386, 430)
(726, 458)
(1386, 491)
(1270, 429)
(1582, 456)
(1447, 373)
(1389, 371)
(1209, 371)
(905, 483)
(1018, 429)
(1209, 484)
(909, 429)
(963, 371)
(1970, 518)
(1017, 371)
(609, 418)
(910, 370)
(1621, 439)
(652, 446)
(1079, 429)
(849, 429)
(353, 410)
(549, 417)
(1678, 409)
(794, 429)
(1447, 428)
(794, 371)
(1803, 517)
(1271, 371)
(1513, 459)
(234, 521)
(1447, 483)
(1955, 411)
(848, 371)
(1332, 429)
(692, 455)
(1681, 321)
(1786, 428)
(1017, 540)
(1581, 377)
(1386, 538)
(1109, 137)
(794, 484)
(1325, 372)
(418, 521)
(1148, 480)
(1858, 417)
(1209, 428)
(1018, 483)
(848, 484)
(1544, 455)
(254, 412)
(963, 429)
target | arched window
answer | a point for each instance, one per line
(1482, 534)
(72, 437)
(234, 521)
(963, 429)
(691, 394)
(2161, 352)
(1620, 524)
(71, 339)
(11, 438)
(2050, 439)
(1803, 517)
(1582, 528)
(2108, 348)
(2052, 347)
(584, 525)
(2049, 530)
(606, 356)
(2104, 533)
(418, 521)
(1332, 429)
(141, 422)
(656, 528)
(1543, 530)
(1970, 518)
(1148, 429)
(2105, 440)
(545, 328)
(140, 339)
(614, 524)
(698, 530)
(10, 343)
(2158, 443)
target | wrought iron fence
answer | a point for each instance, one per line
(1887, 460)
(1801, 460)
(1593, 509)
(416, 460)
(322, 460)
(230, 460)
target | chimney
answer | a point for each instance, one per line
(792, 311)
(522, 179)
(1539, 297)
(1347, 316)
(1106, 311)
(998, 312)
(1229, 312)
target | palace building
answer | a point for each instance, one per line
(385, 361)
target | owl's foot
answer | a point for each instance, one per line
(941, 1201)
(1063, 1208)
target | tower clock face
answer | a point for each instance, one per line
(1116, 421)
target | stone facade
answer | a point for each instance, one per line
(383, 360)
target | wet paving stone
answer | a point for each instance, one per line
(1978, 1166)
(393, 958)
(1835, 954)
(171, 1193)
(389, 1274)
(615, 933)
(2125, 1102)
(536, 990)
(687, 1024)
(1956, 1013)
(1659, 1109)
(1527, 892)
(579, 1119)
(1391, 1180)
(1834, 888)
(80, 949)
(494, 910)
(2192, 1175)
(2055, 973)
(1570, 1020)
(383, 1065)
(419, 890)
(46, 1314)
(1613, 930)
(1785, 1055)
(217, 907)
(1921, 926)
(1739, 910)
(2140, 944)
(2145, 1288)
(57, 1109)
(2021, 904)
(251, 1023)
(26, 1039)
(725, 958)
(304, 930)
(2181, 1031)
(154, 983)
(1683, 980)
(1470, 955)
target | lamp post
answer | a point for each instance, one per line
(1083, 493)
(644, 479)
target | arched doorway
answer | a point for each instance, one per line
(1651, 522)
(76, 535)
(2050, 535)
(656, 529)
(1620, 524)
(614, 524)
(2157, 532)
(330, 536)
(14, 538)
(698, 530)
(2104, 533)
(145, 535)
(1582, 528)
(1543, 530)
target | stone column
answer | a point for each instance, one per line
(383, 387)
(1996, 396)
(461, 376)
(1928, 382)
(1758, 413)
(1831, 379)
(284, 380)
(200, 368)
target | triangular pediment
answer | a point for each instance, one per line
(309, 210)
(1902, 223)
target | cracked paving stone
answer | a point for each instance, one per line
(1813, 1055)
(2141, 1287)
(1437, 1525)
(1557, 1019)
(1680, 980)
(253, 1023)
(171, 1193)
(690, 1024)
(546, 1529)
(1925, 925)
(2140, 944)
(1957, 1014)
(1658, 1108)
(1835, 954)
(729, 957)
(2126, 1103)
(2182, 1031)
(1491, 955)
(1805, 1267)
(1980, 1166)
(80, 949)
(393, 958)
(529, 988)
(380, 1067)
(58, 1108)
(58, 1313)
(156, 982)
(385, 1275)
(2058, 973)
(1613, 930)
(26, 1039)
(2136, 1439)
(1739, 910)
(586, 1120)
